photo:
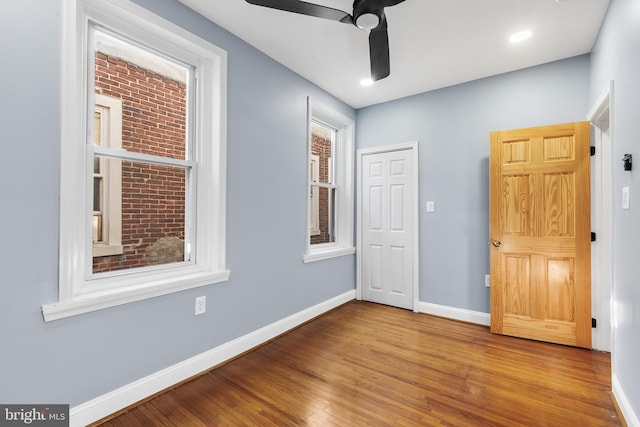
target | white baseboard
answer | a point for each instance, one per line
(454, 313)
(630, 416)
(129, 394)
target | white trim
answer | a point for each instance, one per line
(129, 394)
(630, 416)
(110, 112)
(331, 252)
(603, 103)
(454, 313)
(110, 298)
(314, 216)
(77, 292)
(601, 118)
(416, 220)
(344, 151)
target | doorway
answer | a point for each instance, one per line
(387, 235)
(600, 117)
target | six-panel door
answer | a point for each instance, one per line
(540, 233)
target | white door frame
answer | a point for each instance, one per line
(412, 147)
(602, 203)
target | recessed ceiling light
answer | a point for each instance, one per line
(520, 36)
(366, 82)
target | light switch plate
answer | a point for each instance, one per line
(625, 198)
(431, 206)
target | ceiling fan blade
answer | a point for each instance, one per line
(304, 8)
(389, 3)
(379, 51)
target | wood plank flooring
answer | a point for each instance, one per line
(366, 364)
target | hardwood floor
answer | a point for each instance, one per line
(368, 364)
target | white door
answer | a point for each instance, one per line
(388, 226)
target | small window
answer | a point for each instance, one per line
(323, 184)
(143, 158)
(330, 169)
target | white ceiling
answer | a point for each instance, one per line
(433, 43)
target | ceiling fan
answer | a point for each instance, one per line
(367, 15)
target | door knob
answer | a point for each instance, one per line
(497, 243)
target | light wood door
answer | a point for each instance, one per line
(388, 232)
(541, 236)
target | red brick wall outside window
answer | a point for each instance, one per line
(322, 148)
(153, 122)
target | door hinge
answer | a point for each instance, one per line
(593, 150)
(593, 236)
(593, 322)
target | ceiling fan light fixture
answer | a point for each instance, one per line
(368, 21)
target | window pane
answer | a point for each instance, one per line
(97, 194)
(152, 218)
(322, 146)
(153, 91)
(97, 227)
(326, 215)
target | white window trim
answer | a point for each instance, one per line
(113, 177)
(77, 292)
(344, 177)
(314, 216)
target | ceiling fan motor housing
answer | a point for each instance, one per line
(367, 14)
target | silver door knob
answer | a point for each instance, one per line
(496, 243)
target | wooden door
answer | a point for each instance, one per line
(388, 183)
(541, 236)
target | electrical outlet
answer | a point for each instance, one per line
(487, 281)
(201, 305)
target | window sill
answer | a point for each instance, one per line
(98, 300)
(100, 250)
(328, 253)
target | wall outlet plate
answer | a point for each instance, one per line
(201, 305)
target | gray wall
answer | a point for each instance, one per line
(76, 359)
(616, 56)
(452, 126)
(79, 358)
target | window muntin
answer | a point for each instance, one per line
(204, 160)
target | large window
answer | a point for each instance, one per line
(143, 158)
(330, 175)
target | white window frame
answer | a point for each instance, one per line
(111, 121)
(80, 291)
(314, 193)
(343, 176)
